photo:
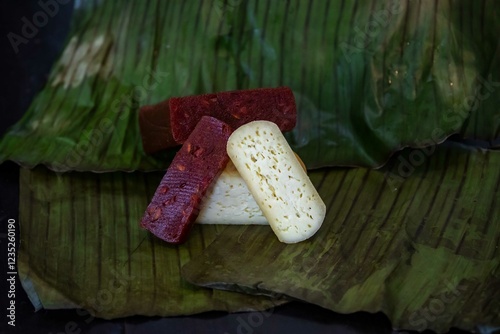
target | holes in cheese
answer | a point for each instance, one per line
(230, 202)
(279, 185)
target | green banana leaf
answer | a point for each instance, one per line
(419, 240)
(82, 247)
(370, 77)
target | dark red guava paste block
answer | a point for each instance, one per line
(234, 108)
(176, 202)
(154, 124)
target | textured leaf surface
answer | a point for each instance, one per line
(419, 241)
(81, 246)
(370, 77)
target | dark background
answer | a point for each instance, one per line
(23, 74)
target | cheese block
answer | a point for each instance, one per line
(281, 188)
(230, 201)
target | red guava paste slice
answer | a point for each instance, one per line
(176, 202)
(234, 108)
(154, 124)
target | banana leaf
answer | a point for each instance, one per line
(418, 240)
(370, 77)
(81, 247)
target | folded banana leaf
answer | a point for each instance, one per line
(370, 77)
(419, 240)
(82, 247)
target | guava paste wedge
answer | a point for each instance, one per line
(177, 200)
(235, 108)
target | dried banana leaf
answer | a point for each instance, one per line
(419, 241)
(82, 247)
(370, 77)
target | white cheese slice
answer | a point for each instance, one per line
(279, 185)
(230, 202)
